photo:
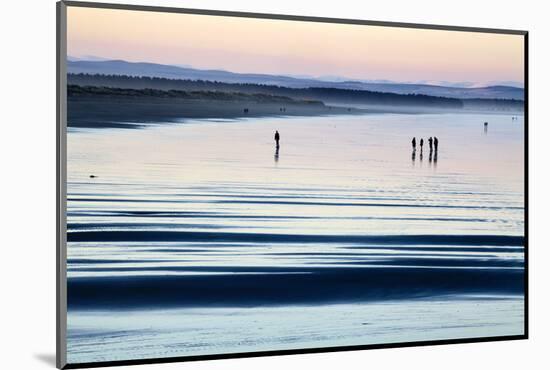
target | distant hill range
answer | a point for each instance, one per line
(120, 67)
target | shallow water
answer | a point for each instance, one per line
(205, 217)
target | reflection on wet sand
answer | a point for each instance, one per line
(193, 231)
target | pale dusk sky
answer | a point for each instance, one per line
(249, 45)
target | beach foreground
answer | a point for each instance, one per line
(200, 237)
(111, 335)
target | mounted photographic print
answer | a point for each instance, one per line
(238, 184)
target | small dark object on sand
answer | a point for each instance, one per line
(93, 176)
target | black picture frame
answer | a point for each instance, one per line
(61, 194)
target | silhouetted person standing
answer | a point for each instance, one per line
(414, 143)
(436, 143)
(277, 138)
(430, 143)
(421, 144)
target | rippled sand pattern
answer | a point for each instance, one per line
(206, 219)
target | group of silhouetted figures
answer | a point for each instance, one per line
(281, 109)
(433, 143)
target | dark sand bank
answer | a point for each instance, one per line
(119, 111)
(234, 286)
(155, 236)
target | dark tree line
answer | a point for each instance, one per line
(86, 90)
(327, 95)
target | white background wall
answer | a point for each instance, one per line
(27, 173)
